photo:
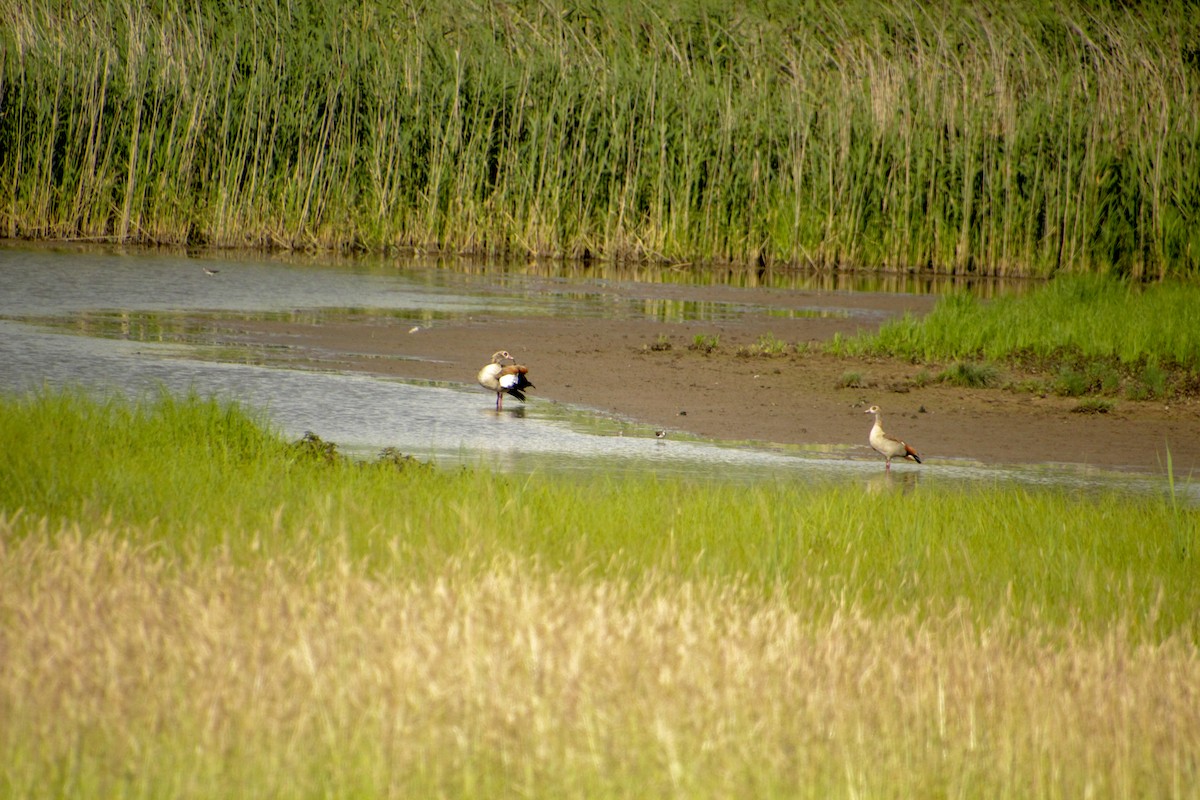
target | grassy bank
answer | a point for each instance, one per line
(1089, 335)
(190, 606)
(1009, 141)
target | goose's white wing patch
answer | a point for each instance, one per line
(508, 381)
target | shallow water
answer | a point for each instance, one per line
(112, 322)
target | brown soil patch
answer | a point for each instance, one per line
(609, 365)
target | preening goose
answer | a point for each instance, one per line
(504, 378)
(887, 445)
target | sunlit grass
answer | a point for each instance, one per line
(1098, 334)
(198, 477)
(128, 674)
(1029, 139)
(190, 606)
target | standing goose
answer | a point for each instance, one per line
(500, 378)
(887, 445)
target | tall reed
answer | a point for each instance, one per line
(1022, 140)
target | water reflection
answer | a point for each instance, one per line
(453, 271)
(900, 480)
(744, 277)
(49, 286)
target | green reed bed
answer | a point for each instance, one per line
(1014, 140)
(190, 606)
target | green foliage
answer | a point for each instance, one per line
(867, 133)
(1071, 383)
(93, 457)
(767, 345)
(853, 379)
(840, 346)
(970, 374)
(197, 469)
(311, 446)
(1150, 383)
(660, 345)
(1093, 377)
(705, 342)
(1094, 405)
(1100, 333)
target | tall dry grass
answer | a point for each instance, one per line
(126, 673)
(1003, 139)
(191, 607)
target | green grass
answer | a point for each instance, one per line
(853, 379)
(195, 472)
(768, 345)
(191, 606)
(969, 374)
(1009, 140)
(1093, 405)
(1097, 334)
(660, 345)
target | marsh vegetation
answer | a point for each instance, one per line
(1083, 335)
(1005, 140)
(193, 606)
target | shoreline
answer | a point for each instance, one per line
(611, 366)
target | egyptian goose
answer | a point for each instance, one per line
(500, 378)
(887, 445)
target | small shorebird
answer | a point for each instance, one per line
(504, 378)
(887, 445)
(210, 271)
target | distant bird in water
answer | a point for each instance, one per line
(504, 378)
(209, 271)
(887, 445)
